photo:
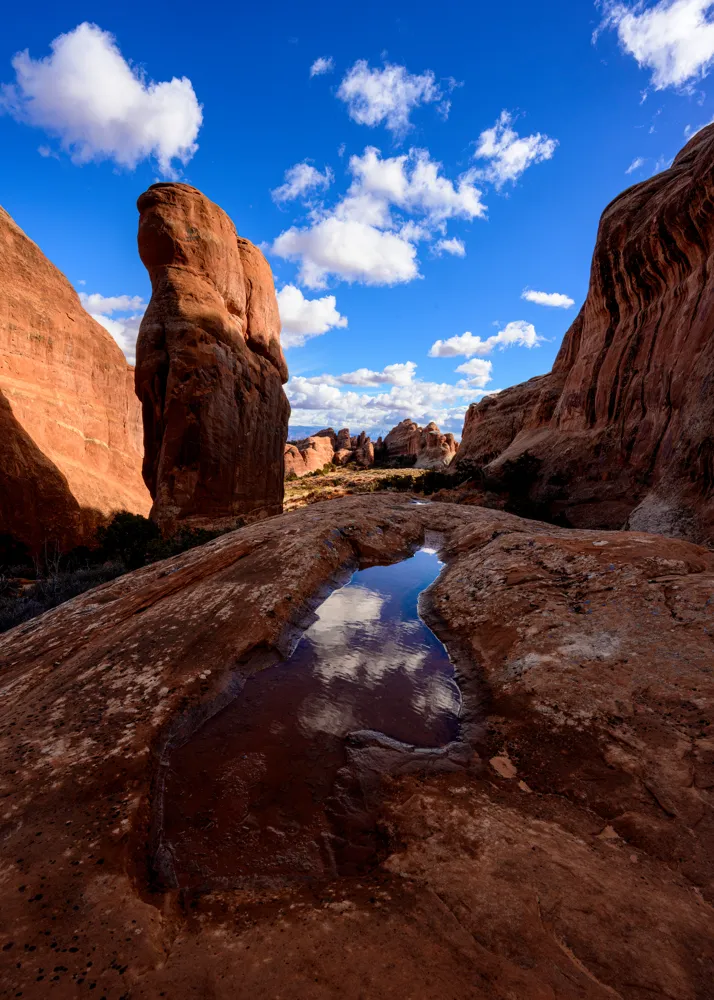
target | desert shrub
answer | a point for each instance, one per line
(18, 605)
(186, 538)
(127, 542)
(15, 557)
(291, 476)
(127, 538)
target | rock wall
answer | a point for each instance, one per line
(327, 447)
(70, 444)
(622, 429)
(427, 445)
(210, 368)
(406, 444)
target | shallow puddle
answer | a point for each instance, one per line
(263, 792)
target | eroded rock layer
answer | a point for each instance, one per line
(623, 427)
(570, 854)
(422, 447)
(210, 368)
(70, 439)
(313, 453)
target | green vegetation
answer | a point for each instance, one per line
(31, 585)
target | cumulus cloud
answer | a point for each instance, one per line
(515, 334)
(316, 403)
(674, 39)
(455, 247)
(100, 107)
(301, 179)
(635, 165)
(324, 64)
(401, 373)
(556, 299)
(477, 372)
(368, 236)
(111, 303)
(508, 153)
(303, 318)
(124, 329)
(388, 96)
(352, 250)
(413, 182)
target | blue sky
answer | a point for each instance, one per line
(409, 169)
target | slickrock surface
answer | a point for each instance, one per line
(623, 427)
(431, 448)
(572, 857)
(70, 439)
(209, 368)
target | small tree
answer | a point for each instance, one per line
(127, 537)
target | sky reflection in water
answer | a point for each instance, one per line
(251, 796)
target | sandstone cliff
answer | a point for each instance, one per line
(407, 444)
(70, 448)
(429, 448)
(622, 429)
(210, 368)
(327, 448)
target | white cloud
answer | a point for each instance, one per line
(455, 247)
(635, 165)
(102, 108)
(300, 179)
(386, 96)
(352, 250)
(111, 303)
(315, 403)
(556, 299)
(303, 318)
(324, 64)
(396, 374)
(124, 331)
(477, 371)
(674, 39)
(414, 182)
(510, 154)
(366, 237)
(515, 334)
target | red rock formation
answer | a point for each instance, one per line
(622, 429)
(324, 448)
(70, 448)
(569, 855)
(209, 367)
(427, 445)
(310, 454)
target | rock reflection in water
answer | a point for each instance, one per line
(261, 791)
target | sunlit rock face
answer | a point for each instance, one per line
(429, 448)
(622, 429)
(327, 448)
(209, 366)
(70, 424)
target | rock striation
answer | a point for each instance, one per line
(310, 454)
(421, 447)
(328, 448)
(70, 425)
(622, 429)
(569, 854)
(210, 368)
(407, 444)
